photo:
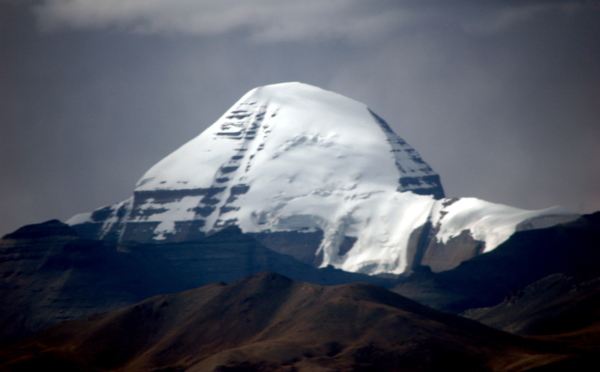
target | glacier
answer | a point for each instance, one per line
(296, 160)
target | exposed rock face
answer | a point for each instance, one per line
(292, 159)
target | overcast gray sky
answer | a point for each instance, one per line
(501, 98)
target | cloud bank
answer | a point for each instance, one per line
(269, 20)
(278, 21)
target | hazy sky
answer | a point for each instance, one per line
(501, 98)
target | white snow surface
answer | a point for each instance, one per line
(300, 135)
(491, 223)
(312, 159)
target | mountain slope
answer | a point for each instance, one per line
(571, 248)
(267, 322)
(555, 304)
(50, 274)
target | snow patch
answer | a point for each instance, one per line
(80, 218)
(493, 223)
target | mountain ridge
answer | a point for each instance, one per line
(49, 273)
(267, 322)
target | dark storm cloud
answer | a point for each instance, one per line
(500, 97)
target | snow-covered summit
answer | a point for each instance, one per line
(295, 134)
(310, 173)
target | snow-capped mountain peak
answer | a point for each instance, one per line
(310, 173)
(289, 130)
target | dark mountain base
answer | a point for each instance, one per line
(270, 323)
(50, 274)
(553, 305)
(267, 322)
